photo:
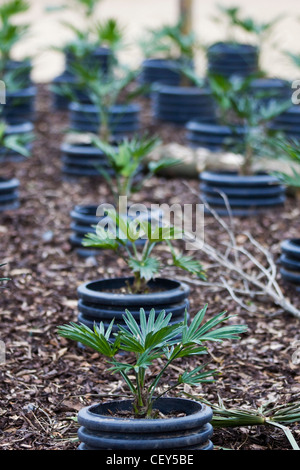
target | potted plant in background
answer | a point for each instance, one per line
(97, 48)
(11, 144)
(231, 57)
(250, 190)
(106, 299)
(19, 107)
(166, 50)
(149, 419)
(11, 33)
(288, 122)
(125, 175)
(192, 99)
(228, 128)
(111, 115)
(290, 247)
(20, 92)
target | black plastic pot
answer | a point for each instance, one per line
(20, 106)
(213, 136)
(102, 300)
(123, 119)
(232, 59)
(271, 89)
(101, 431)
(12, 155)
(288, 122)
(84, 219)
(81, 160)
(102, 56)
(23, 69)
(182, 104)
(290, 261)
(164, 71)
(59, 101)
(247, 195)
(9, 196)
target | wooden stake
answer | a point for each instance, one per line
(186, 7)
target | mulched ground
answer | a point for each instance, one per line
(46, 379)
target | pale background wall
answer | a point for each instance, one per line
(137, 15)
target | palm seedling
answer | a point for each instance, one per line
(235, 21)
(122, 234)
(154, 338)
(127, 162)
(18, 143)
(169, 42)
(10, 31)
(239, 106)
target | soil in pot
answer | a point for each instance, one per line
(105, 299)
(247, 195)
(103, 427)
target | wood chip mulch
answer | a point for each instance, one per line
(46, 379)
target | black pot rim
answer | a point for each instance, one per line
(19, 128)
(6, 183)
(117, 108)
(197, 126)
(228, 178)
(199, 413)
(177, 292)
(181, 90)
(232, 47)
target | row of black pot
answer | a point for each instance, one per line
(226, 59)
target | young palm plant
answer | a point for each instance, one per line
(121, 234)
(10, 31)
(127, 162)
(234, 21)
(240, 107)
(154, 338)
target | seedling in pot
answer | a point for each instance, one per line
(290, 150)
(239, 107)
(121, 235)
(235, 21)
(151, 340)
(127, 161)
(169, 42)
(18, 143)
(11, 32)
